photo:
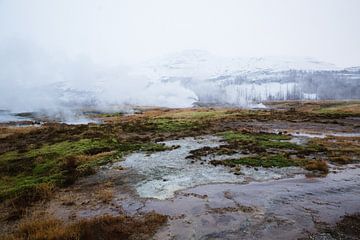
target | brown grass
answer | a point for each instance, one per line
(6, 131)
(317, 165)
(105, 227)
(105, 195)
(16, 207)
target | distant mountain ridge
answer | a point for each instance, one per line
(200, 78)
(245, 81)
(202, 64)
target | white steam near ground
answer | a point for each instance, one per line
(61, 58)
(33, 81)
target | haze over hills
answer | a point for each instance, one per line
(202, 64)
(183, 79)
(245, 81)
(197, 77)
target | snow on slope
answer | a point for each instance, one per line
(180, 79)
(199, 64)
(235, 80)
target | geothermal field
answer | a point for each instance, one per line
(179, 120)
(288, 171)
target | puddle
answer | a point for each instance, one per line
(7, 117)
(80, 121)
(301, 138)
(308, 135)
(344, 134)
(323, 135)
(165, 173)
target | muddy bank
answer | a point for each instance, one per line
(259, 204)
(275, 209)
(283, 209)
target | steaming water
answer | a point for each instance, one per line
(284, 209)
(70, 118)
(323, 135)
(170, 171)
(80, 120)
(6, 117)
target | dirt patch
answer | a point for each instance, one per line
(348, 228)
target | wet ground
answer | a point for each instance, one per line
(282, 209)
(211, 202)
(164, 173)
(203, 200)
(257, 204)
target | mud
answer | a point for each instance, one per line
(283, 209)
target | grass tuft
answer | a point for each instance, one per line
(104, 227)
(317, 165)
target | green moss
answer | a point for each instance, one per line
(278, 145)
(57, 163)
(64, 149)
(8, 156)
(154, 147)
(231, 136)
(197, 114)
(266, 161)
(174, 125)
(261, 140)
(44, 168)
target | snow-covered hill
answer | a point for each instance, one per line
(195, 76)
(204, 65)
(245, 81)
(176, 80)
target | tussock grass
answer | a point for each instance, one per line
(103, 227)
(317, 165)
(266, 161)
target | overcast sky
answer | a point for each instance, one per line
(125, 31)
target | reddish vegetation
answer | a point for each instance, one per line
(105, 228)
(317, 165)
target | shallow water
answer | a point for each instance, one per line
(200, 206)
(80, 120)
(282, 209)
(6, 116)
(326, 134)
(166, 172)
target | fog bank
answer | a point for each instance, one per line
(33, 80)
